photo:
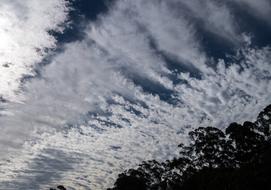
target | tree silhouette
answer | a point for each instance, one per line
(246, 139)
(264, 120)
(59, 187)
(210, 148)
(238, 159)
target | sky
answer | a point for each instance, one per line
(89, 88)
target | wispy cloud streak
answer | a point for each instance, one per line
(130, 90)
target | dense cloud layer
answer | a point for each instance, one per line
(24, 27)
(144, 73)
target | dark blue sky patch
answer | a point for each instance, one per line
(174, 65)
(130, 106)
(102, 117)
(216, 46)
(252, 24)
(154, 88)
(177, 67)
(115, 147)
(81, 12)
(108, 123)
(148, 86)
(213, 45)
(90, 9)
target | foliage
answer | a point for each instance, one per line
(238, 158)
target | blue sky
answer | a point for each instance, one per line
(90, 88)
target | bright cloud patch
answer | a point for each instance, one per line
(24, 27)
(142, 76)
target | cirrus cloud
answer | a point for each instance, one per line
(129, 91)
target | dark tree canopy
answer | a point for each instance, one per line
(210, 148)
(237, 159)
(59, 187)
(264, 120)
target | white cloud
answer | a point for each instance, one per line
(24, 36)
(91, 99)
(210, 14)
(259, 8)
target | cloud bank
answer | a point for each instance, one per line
(143, 75)
(25, 38)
